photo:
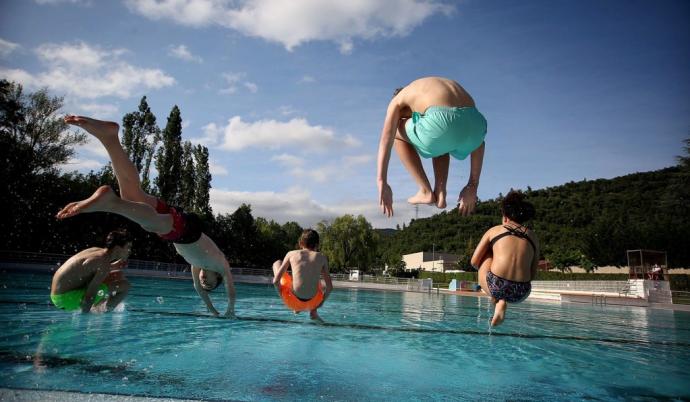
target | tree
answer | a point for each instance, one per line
(186, 185)
(34, 139)
(140, 136)
(348, 242)
(169, 158)
(202, 182)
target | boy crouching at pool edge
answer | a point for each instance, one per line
(93, 276)
(302, 290)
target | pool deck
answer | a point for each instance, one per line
(29, 395)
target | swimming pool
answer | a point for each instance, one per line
(374, 346)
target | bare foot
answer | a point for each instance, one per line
(101, 197)
(315, 316)
(422, 197)
(103, 130)
(440, 195)
(499, 313)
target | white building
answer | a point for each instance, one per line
(435, 262)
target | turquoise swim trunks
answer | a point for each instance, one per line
(443, 129)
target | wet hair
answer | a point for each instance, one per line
(397, 91)
(309, 239)
(219, 280)
(116, 238)
(515, 208)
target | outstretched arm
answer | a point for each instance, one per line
(230, 290)
(480, 251)
(202, 292)
(535, 260)
(468, 196)
(390, 126)
(283, 268)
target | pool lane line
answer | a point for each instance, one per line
(426, 330)
(400, 329)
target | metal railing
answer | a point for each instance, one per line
(173, 268)
(582, 286)
(680, 297)
(385, 280)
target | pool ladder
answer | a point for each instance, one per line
(599, 299)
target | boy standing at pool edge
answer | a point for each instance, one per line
(93, 276)
(302, 290)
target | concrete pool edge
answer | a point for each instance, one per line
(31, 395)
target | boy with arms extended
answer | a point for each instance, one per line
(302, 290)
(184, 230)
(93, 276)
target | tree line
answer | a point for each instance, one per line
(588, 223)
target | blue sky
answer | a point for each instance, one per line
(289, 96)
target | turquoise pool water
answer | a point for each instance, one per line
(374, 346)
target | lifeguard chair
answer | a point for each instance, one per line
(648, 264)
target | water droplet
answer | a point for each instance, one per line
(160, 300)
(26, 337)
(125, 379)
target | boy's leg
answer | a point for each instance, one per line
(125, 171)
(315, 316)
(499, 313)
(104, 200)
(276, 267)
(481, 275)
(441, 164)
(413, 163)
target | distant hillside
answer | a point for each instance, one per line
(592, 221)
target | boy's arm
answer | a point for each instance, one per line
(102, 268)
(327, 278)
(202, 292)
(390, 126)
(283, 268)
(230, 290)
(535, 260)
(480, 251)
(468, 196)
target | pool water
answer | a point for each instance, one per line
(374, 346)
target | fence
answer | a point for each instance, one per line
(23, 257)
(582, 286)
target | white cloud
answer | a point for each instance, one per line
(217, 169)
(233, 80)
(181, 52)
(99, 110)
(252, 87)
(85, 71)
(321, 174)
(292, 23)
(307, 79)
(297, 204)
(272, 134)
(81, 165)
(86, 2)
(7, 47)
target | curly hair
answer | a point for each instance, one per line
(515, 208)
(118, 237)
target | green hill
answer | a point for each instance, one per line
(591, 222)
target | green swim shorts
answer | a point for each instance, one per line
(443, 129)
(72, 300)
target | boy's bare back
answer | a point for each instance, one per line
(307, 266)
(76, 273)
